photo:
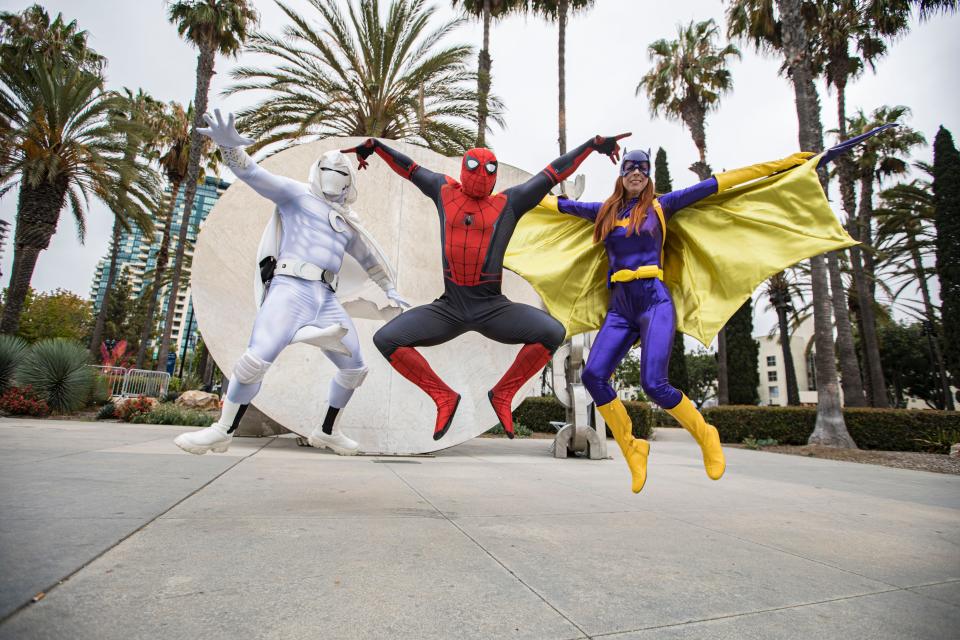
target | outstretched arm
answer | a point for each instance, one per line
(427, 181)
(585, 210)
(525, 196)
(676, 200)
(231, 143)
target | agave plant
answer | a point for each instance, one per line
(12, 350)
(57, 369)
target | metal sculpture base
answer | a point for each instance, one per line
(583, 434)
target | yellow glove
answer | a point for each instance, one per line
(550, 203)
(730, 179)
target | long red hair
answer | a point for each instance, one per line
(613, 205)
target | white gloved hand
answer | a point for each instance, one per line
(393, 295)
(225, 134)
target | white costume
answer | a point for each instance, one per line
(311, 230)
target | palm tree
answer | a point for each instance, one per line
(31, 36)
(213, 26)
(877, 158)
(905, 240)
(61, 149)
(758, 22)
(780, 26)
(358, 76)
(130, 203)
(487, 11)
(688, 78)
(558, 11)
(780, 290)
(171, 148)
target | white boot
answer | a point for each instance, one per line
(335, 441)
(213, 438)
(216, 437)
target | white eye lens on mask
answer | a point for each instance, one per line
(343, 173)
(491, 167)
(472, 164)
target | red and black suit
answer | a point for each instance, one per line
(476, 226)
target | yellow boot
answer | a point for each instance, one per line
(705, 434)
(635, 451)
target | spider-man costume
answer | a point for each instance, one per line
(476, 226)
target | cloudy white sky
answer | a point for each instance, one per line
(606, 56)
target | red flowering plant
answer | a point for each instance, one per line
(116, 356)
(24, 401)
(133, 407)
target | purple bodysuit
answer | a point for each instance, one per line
(641, 309)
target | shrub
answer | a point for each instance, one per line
(886, 429)
(751, 443)
(107, 411)
(519, 430)
(133, 407)
(642, 417)
(537, 413)
(190, 382)
(23, 401)
(12, 351)
(57, 369)
(167, 413)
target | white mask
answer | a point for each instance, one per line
(332, 178)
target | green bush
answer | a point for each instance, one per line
(168, 413)
(642, 417)
(107, 412)
(190, 382)
(12, 351)
(885, 429)
(57, 369)
(519, 430)
(101, 389)
(537, 413)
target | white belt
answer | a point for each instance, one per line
(302, 269)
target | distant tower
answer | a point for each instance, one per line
(4, 231)
(139, 255)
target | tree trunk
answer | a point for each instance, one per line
(204, 73)
(930, 312)
(111, 276)
(38, 211)
(723, 387)
(868, 322)
(851, 379)
(562, 79)
(483, 79)
(830, 427)
(849, 366)
(790, 370)
(159, 271)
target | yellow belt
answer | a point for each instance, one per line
(640, 273)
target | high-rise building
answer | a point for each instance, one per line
(4, 231)
(139, 255)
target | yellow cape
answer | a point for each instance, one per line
(717, 253)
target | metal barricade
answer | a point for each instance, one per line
(141, 382)
(112, 377)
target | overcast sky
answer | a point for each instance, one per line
(606, 56)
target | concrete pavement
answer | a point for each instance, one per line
(130, 538)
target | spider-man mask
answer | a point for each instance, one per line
(478, 173)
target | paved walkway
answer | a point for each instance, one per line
(129, 538)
